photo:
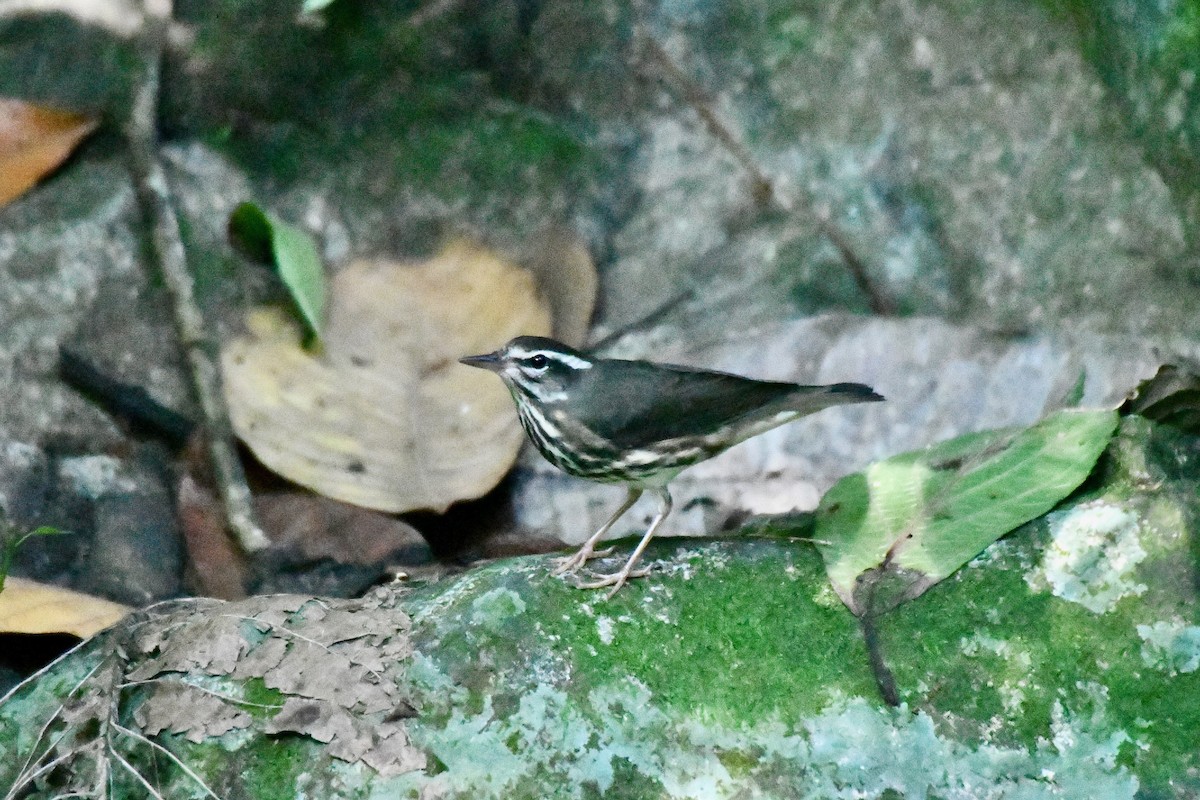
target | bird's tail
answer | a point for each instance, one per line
(811, 399)
(853, 393)
(805, 400)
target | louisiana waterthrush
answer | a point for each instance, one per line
(638, 423)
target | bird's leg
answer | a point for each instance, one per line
(618, 579)
(588, 551)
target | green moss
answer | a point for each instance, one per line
(725, 641)
(734, 669)
(486, 152)
(279, 763)
(263, 698)
(1046, 651)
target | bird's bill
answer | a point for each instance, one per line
(489, 361)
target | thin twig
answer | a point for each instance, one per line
(279, 629)
(763, 187)
(132, 770)
(178, 761)
(228, 698)
(694, 96)
(33, 757)
(643, 323)
(878, 302)
(48, 767)
(154, 192)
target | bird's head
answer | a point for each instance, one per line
(539, 368)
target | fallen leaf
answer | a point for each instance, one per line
(384, 746)
(316, 527)
(30, 607)
(909, 521)
(179, 707)
(214, 560)
(33, 142)
(333, 667)
(385, 417)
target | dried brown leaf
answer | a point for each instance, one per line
(206, 642)
(383, 746)
(214, 560)
(385, 417)
(30, 607)
(309, 650)
(179, 707)
(33, 141)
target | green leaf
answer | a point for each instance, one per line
(910, 521)
(264, 238)
(11, 547)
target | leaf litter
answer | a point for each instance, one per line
(331, 670)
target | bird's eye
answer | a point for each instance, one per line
(538, 361)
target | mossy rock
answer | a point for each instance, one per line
(1063, 662)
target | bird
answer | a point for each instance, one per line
(640, 423)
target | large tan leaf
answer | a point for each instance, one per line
(33, 141)
(385, 417)
(30, 607)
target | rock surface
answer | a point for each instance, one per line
(1053, 665)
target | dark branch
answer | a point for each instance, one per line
(879, 668)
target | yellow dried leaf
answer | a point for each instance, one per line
(385, 417)
(30, 607)
(33, 141)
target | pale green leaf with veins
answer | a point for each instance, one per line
(912, 520)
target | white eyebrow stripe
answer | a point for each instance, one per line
(574, 362)
(571, 361)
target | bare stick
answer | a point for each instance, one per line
(178, 761)
(644, 323)
(884, 679)
(694, 96)
(228, 698)
(151, 182)
(132, 770)
(762, 186)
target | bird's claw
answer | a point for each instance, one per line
(572, 563)
(616, 580)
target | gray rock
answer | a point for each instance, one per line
(137, 554)
(57, 245)
(24, 482)
(967, 153)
